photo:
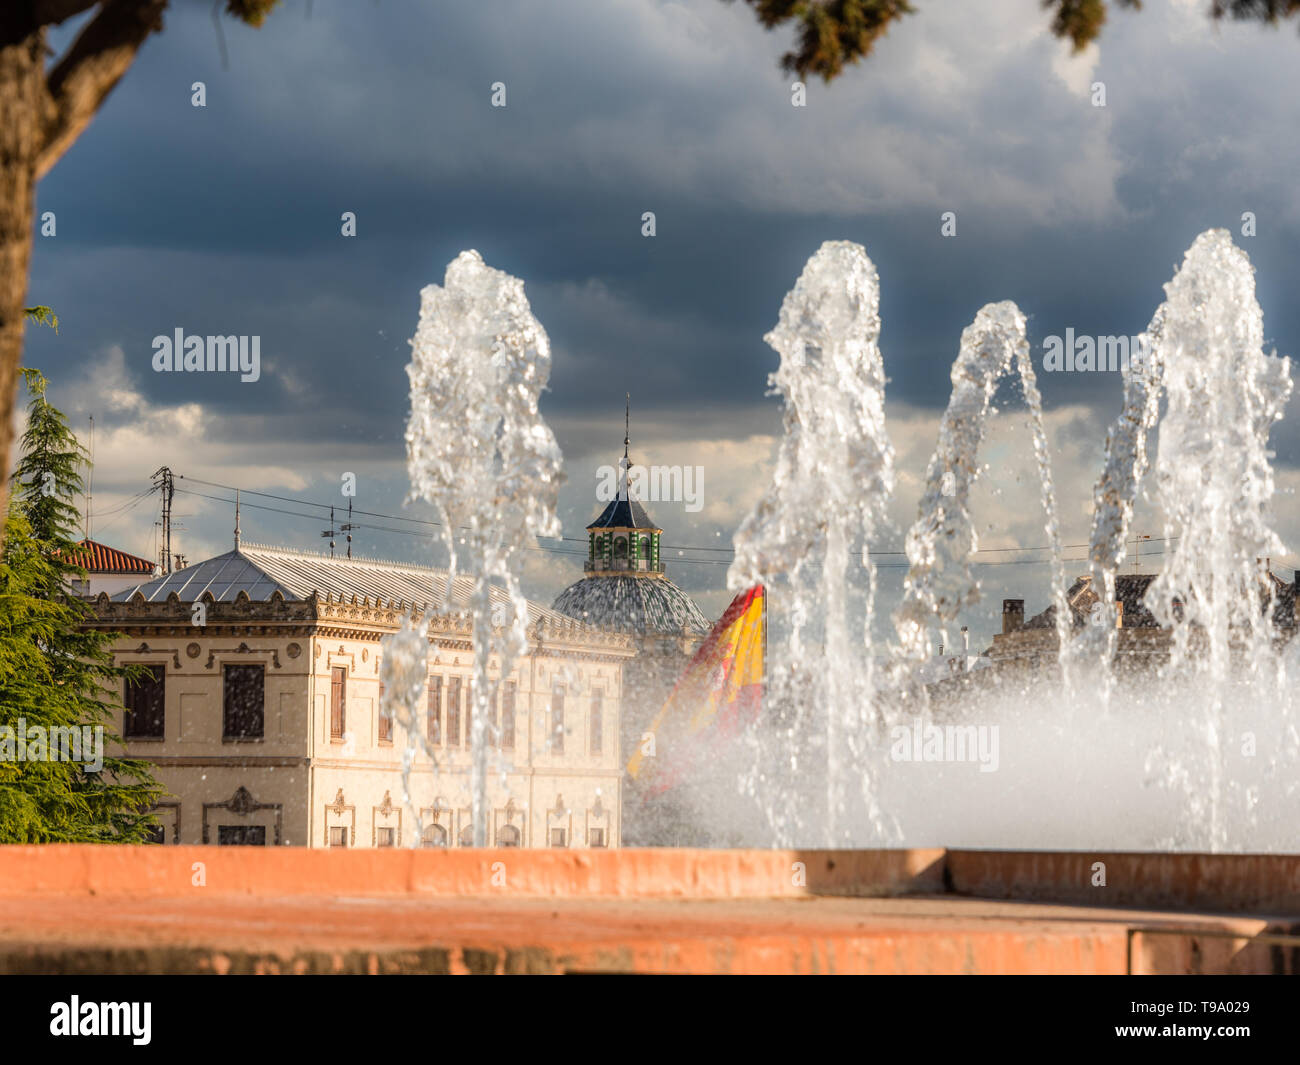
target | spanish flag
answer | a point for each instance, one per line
(720, 692)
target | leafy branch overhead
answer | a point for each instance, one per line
(833, 34)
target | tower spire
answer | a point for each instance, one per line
(627, 427)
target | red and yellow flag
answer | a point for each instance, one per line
(720, 691)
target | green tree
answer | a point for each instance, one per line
(43, 110)
(55, 672)
(833, 34)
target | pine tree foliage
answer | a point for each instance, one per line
(55, 672)
(833, 34)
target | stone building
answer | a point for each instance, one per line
(1030, 646)
(625, 588)
(260, 714)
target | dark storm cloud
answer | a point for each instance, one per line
(226, 219)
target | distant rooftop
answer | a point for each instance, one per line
(260, 571)
(623, 514)
(95, 557)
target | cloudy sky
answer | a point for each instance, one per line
(226, 219)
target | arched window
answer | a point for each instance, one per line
(507, 836)
(434, 836)
(467, 836)
(620, 547)
(645, 548)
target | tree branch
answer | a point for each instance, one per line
(89, 71)
(52, 12)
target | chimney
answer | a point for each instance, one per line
(1013, 615)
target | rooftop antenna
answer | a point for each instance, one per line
(627, 427)
(347, 527)
(90, 480)
(331, 532)
(236, 519)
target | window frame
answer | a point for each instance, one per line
(158, 674)
(452, 735)
(596, 726)
(338, 707)
(245, 831)
(557, 719)
(383, 722)
(433, 711)
(508, 719)
(227, 716)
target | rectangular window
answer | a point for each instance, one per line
(453, 712)
(557, 720)
(508, 717)
(243, 706)
(339, 836)
(595, 837)
(597, 722)
(385, 837)
(145, 701)
(385, 722)
(241, 835)
(338, 702)
(557, 837)
(433, 715)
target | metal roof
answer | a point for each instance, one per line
(261, 571)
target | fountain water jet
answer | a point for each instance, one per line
(834, 473)
(941, 545)
(1084, 788)
(481, 453)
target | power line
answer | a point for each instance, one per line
(583, 540)
(582, 554)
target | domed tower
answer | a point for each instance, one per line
(625, 587)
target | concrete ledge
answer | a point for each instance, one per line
(160, 872)
(86, 909)
(1220, 883)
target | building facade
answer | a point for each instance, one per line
(261, 716)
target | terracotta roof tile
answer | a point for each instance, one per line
(99, 558)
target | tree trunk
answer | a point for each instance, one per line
(22, 59)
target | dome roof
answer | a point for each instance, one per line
(653, 605)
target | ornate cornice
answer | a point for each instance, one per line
(334, 617)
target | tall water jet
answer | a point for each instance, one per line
(481, 453)
(833, 476)
(1214, 482)
(1091, 652)
(942, 543)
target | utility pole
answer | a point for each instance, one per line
(162, 479)
(90, 479)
